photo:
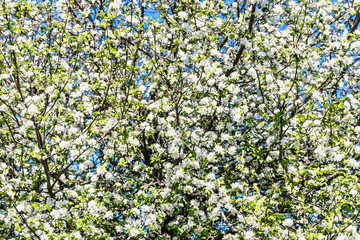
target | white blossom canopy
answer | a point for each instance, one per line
(179, 119)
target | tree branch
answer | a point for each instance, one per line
(356, 23)
(242, 48)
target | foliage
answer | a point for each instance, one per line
(181, 119)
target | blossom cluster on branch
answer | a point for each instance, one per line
(179, 119)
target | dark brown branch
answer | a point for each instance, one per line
(356, 23)
(223, 42)
(16, 75)
(237, 59)
(242, 48)
(27, 225)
